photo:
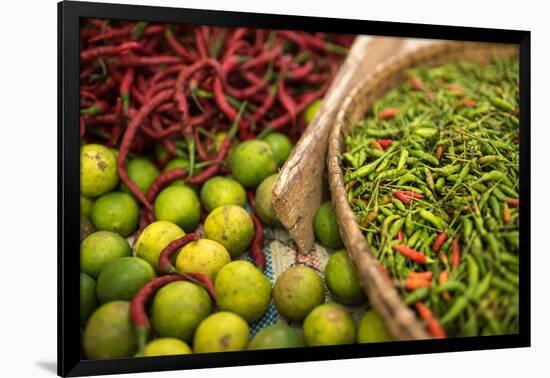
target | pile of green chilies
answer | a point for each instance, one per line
(432, 174)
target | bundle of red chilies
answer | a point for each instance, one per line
(143, 84)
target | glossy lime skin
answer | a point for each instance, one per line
(232, 227)
(329, 324)
(263, 202)
(117, 212)
(122, 279)
(99, 249)
(219, 191)
(165, 346)
(98, 170)
(275, 337)
(154, 238)
(326, 226)
(311, 111)
(251, 162)
(372, 329)
(221, 332)
(298, 291)
(243, 289)
(343, 280)
(143, 173)
(179, 205)
(110, 333)
(88, 298)
(178, 309)
(203, 256)
(280, 145)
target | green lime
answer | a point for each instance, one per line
(298, 291)
(280, 145)
(342, 279)
(179, 205)
(219, 191)
(311, 111)
(165, 346)
(372, 329)
(122, 279)
(231, 226)
(117, 212)
(143, 173)
(99, 249)
(177, 163)
(178, 308)
(221, 332)
(203, 256)
(251, 162)
(326, 226)
(109, 332)
(86, 227)
(154, 239)
(275, 337)
(329, 324)
(243, 289)
(98, 170)
(86, 204)
(263, 202)
(88, 298)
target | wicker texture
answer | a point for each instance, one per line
(401, 322)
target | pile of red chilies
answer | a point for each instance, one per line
(143, 84)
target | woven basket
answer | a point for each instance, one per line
(401, 322)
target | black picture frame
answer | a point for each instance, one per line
(69, 13)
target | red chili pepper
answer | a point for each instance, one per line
(415, 83)
(439, 152)
(439, 241)
(385, 143)
(406, 196)
(469, 103)
(400, 235)
(164, 263)
(420, 275)
(514, 202)
(284, 97)
(125, 89)
(412, 254)
(376, 145)
(100, 51)
(413, 283)
(164, 179)
(432, 323)
(388, 113)
(456, 89)
(444, 277)
(146, 61)
(455, 253)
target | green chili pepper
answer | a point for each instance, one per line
(402, 159)
(417, 295)
(424, 156)
(456, 309)
(434, 220)
(473, 271)
(482, 287)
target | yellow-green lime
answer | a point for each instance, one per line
(275, 337)
(143, 173)
(298, 291)
(219, 191)
(263, 202)
(165, 346)
(243, 289)
(154, 239)
(117, 212)
(98, 170)
(99, 249)
(329, 324)
(221, 332)
(179, 205)
(184, 164)
(122, 279)
(326, 226)
(109, 332)
(280, 145)
(372, 329)
(251, 162)
(178, 309)
(86, 204)
(311, 111)
(88, 298)
(342, 279)
(231, 226)
(202, 256)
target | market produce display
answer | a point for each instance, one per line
(432, 174)
(183, 129)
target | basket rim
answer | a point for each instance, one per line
(403, 322)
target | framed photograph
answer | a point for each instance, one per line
(258, 189)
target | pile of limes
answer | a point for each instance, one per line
(117, 260)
